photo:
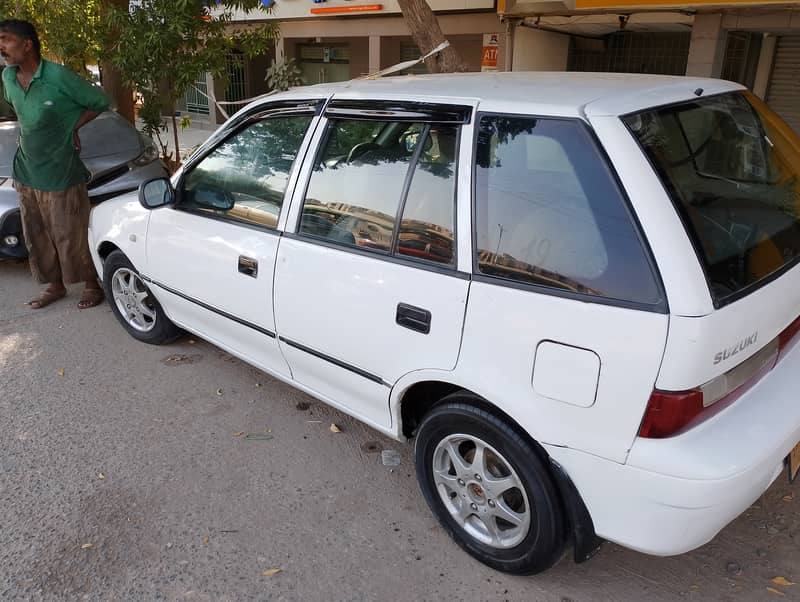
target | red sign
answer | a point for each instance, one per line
(489, 58)
(489, 53)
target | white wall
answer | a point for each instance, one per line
(536, 50)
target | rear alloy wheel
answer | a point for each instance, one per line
(489, 488)
(133, 304)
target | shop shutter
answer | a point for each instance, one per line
(784, 87)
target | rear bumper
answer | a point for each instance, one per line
(676, 494)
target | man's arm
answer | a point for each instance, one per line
(85, 118)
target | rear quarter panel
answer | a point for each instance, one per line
(504, 328)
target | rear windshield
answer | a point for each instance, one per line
(732, 167)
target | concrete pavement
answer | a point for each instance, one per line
(126, 474)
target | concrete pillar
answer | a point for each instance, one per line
(374, 54)
(511, 26)
(707, 48)
(764, 69)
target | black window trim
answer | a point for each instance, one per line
(284, 108)
(412, 168)
(661, 307)
(391, 255)
(716, 301)
(398, 110)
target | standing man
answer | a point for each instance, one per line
(51, 104)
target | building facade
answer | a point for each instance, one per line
(753, 42)
(337, 40)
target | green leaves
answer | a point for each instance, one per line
(162, 47)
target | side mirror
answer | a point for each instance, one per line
(156, 193)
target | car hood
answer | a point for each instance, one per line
(106, 142)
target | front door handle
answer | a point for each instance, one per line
(414, 318)
(248, 266)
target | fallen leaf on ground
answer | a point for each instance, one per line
(101, 476)
(257, 437)
(772, 590)
(191, 341)
(205, 540)
(219, 391)
(239, 434)
(782, 581)
(335, 429)
(271, 572)
(60, 371)
(258, 384)
(86, 546)
(788, 498)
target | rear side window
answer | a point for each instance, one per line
(549, 212)
(732, 168)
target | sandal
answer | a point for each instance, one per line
(46, 298)
(91, 297)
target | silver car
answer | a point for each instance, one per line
(117, 155)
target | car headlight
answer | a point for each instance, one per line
(149, 152)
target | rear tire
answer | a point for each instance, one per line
(489, 488)
(133, 304)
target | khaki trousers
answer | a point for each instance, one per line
(56, 225)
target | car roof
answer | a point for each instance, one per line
(572, 94)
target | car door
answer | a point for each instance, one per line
(212, 256)
(367, 286)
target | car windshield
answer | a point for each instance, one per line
(732, 168)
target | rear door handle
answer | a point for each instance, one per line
(248, 266)
(413, 318)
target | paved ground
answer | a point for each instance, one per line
(124, 476)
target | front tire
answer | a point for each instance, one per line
(133, 304)
(489, 488)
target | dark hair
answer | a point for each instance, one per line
(24, 30)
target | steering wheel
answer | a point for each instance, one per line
(361, 148)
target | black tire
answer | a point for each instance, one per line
(524, 551)
(152, 327)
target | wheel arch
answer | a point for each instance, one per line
(418, 399)
(105, 248)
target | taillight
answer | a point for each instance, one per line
(670, 413)
(788, 338)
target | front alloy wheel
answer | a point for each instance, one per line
(133, 300)
(133, 304)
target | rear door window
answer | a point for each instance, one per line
(549, 212)
(386, 187)
(731, 167)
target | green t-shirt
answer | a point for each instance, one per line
(47, 113)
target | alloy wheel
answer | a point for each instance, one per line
(133, 300)
(481, 491)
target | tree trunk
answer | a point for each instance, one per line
(428, 35)
(121, 95)
(177, 162)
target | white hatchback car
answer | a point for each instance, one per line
(577, 292)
